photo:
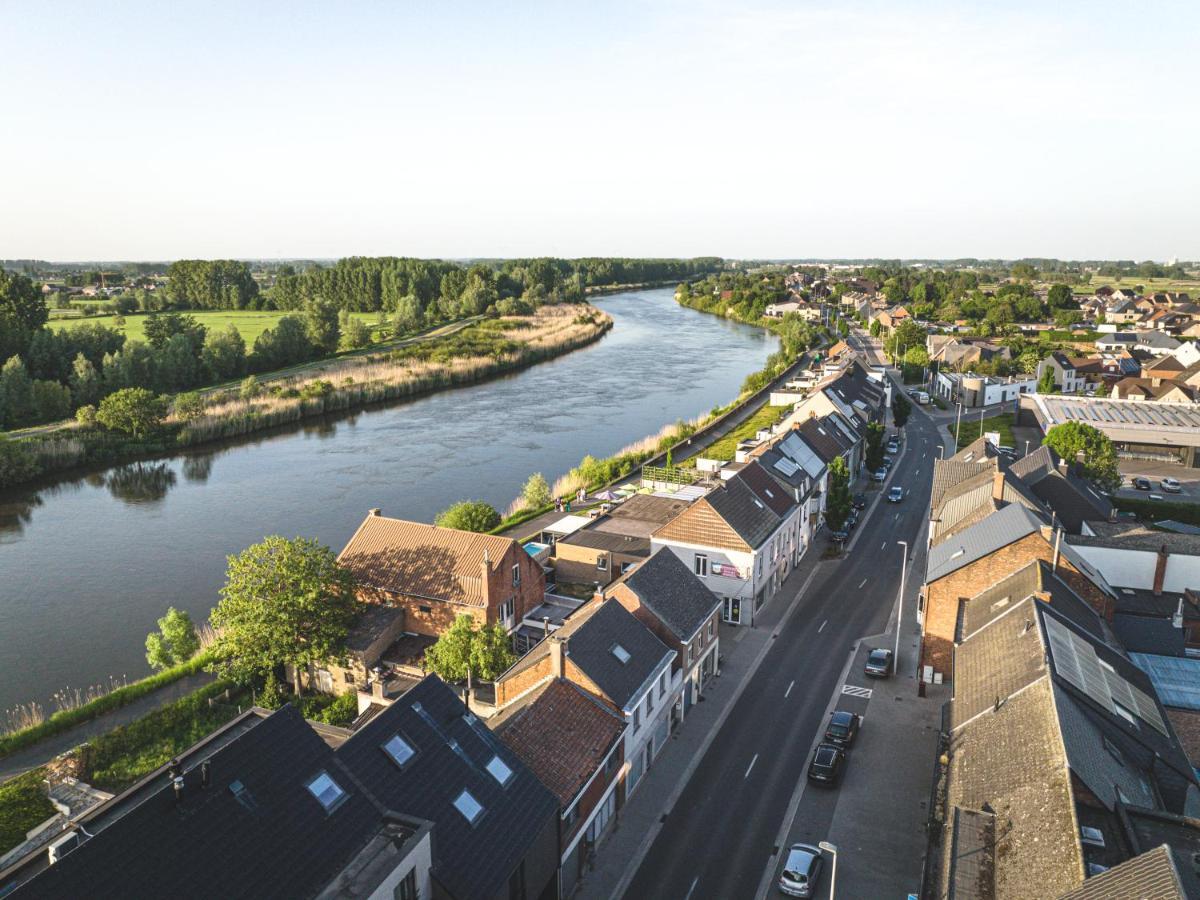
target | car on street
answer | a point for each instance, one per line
(859, 501)
(1171, 486)
(896, 494)
(842, 728)
(879, 475)
(1140, 483)
(827, 763)
(839, 536)
(801, 871)
(1008, 451)
(851, 519)
(892, 447)
(879, 663)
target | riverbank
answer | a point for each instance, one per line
(480, 352)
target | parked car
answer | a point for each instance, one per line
(879, 663)
(1171, 486)
(801, 871)
(827, 763)
(839, 536)
(1140, 483)
(1008, 451)
(893, 447)
(879, 475)
(859, 501)
(896, 494)
(851, 519)
(842, 728)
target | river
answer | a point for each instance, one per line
(87, 564)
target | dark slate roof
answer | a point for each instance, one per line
(948, 473)
(591, 648)
(1033, 578)
(1144, 602)
(280, 843)
(1072, 499)
(453, 749)
(972, 854)
(765, 488)
(1001, 528)
(743, 511)
(668, 588)
(825, 440)
(1135, 536)
(1149, 634)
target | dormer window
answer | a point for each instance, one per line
(327, 791)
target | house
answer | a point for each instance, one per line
(1156, 343)
(1117, 340)
(968, 492)
(573, 744)
(1154, 873)
(438, 574)
(890, 318)
(801, 469)
(1061, 761)
(261, 807)
(604, 650)
(665, 596)
(495, 825)
(741, 539)
(1152, 389)
(1071, 498)
(951, 352)
(1187, 353)
(614, 543)
(779, 310)
(1066, 377)
(982, 390)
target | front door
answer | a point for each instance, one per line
(733, 611)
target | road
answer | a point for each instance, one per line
(719, 838)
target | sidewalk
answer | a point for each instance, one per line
(638, 823)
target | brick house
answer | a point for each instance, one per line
(608, 547)
(438, 574)
(976, 558)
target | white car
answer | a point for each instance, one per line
(1172, 486)
(801, 871)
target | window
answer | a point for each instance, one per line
(468, 806)
(602, 563)
(399, 750)
(505, 611)
(348, 676)
(621, 653)
(610, 764)
(327, 791)
(499, 770)
(637, 717)
(425, 609)
(700, 566)
(407, 888)
(662, 684)
(711, 625)
(691, 653)
(517, 575)
(570, 818)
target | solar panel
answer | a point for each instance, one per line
(786, 466)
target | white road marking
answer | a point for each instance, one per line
(789, 690)
(864, 581)
(855, 691)
(692, 888)
(822, 628)
(751, 766)
(883, 546)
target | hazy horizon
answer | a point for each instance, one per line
(667, 129)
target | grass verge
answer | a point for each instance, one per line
(970, 429)
(23, 806)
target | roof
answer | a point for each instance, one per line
(1149, 634)
(373, 621)
(1035, 578)
(649, 508)
(603, 539)
(1001, 528)
(996, 662)
(950, 472)
(452, 751)
(1136, 421)
(1176, 679)
(590, 647)
(731, 516)
(563, 736)
(1149, 876)
(422, 560)
(676, 597)
(271, 837)
(1135, 536)
(1073, 500)
(766, 489)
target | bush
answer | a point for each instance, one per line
(357, 335)
(342, 711)
(86, 416)
(189, 406)
(250, 388)
(135, 411)
(17, 464)
(316, 389)
(469, 515)
(23, 806)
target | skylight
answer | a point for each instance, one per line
(327, 791)
(499, 770)
(468, 806)
(399, 750)
(621, 653)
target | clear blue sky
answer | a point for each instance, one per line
(159, 130)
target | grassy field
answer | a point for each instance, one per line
(250, 323)
(1188, 286)
(727, 446)
(970, 430)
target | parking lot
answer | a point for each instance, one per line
(1155, 472)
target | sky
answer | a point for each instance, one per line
(744, 130)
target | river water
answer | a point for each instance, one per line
(88, 563)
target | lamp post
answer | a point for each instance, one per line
(957, 422)
(900, 607)
(832, 851)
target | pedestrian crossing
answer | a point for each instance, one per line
(855, 691)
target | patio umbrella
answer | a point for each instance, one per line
(606, 495)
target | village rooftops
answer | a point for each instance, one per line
(1072, 499)
(731, 516)
(1035, 579)
(422, 560)
(677, 598)
(1001, 528)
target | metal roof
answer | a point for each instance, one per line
(1000, 529)
(1175, 678)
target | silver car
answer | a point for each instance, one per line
(801, 871)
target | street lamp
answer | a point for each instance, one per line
(900, 606)
(832, 851)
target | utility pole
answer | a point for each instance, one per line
(900, 607)
(957, 422)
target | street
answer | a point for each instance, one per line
(721, 835)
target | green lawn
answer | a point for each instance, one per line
(727, 446)
(1188, 286)
(970, 430)
(250, 323)
(23, 806)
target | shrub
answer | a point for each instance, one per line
(17, 464)
(250, 388)
(135, 411)
(316, 389)
(469, 515)
(189, 406)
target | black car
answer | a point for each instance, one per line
(851, 519)
(859, 501)
(826, 765)
(1141, 484)
(842, 728)
(879, 663)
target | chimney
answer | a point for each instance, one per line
(205, 774)
(1160, 570)
(373, 511)
(1177, 619)
(558, 649)
(998, 486)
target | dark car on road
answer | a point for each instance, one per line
(827, 763)
(842, 728)
(896, 494)
(879, 663)
(859, 501)
(1141, 484)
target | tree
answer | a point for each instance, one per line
(284, 602)
(159, 329)
(17, 464)
(224, 353)
(874, 455)
(1065, 318)
(1072, 440)
(250, 388)
(175, 641)
(1046, 383)
(916, 356)
(51, 400)
(135, 411)
(485, 652)
(85, 381)
(469, 515)
(284, 345)
(1060, 297)
(837, 507)
(189, 406)
(179, 363)
(536, 492)
(900, 409)
(321, 325)
(16, 393)
(23, 313)
(357, 334)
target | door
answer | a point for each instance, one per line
(733, 611)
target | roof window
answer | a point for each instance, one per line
(469, 807)
(399, 750)
(499, 770)
(1093, 837)
(327, 791)
(621, 653)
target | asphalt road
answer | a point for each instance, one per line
(720, 837)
